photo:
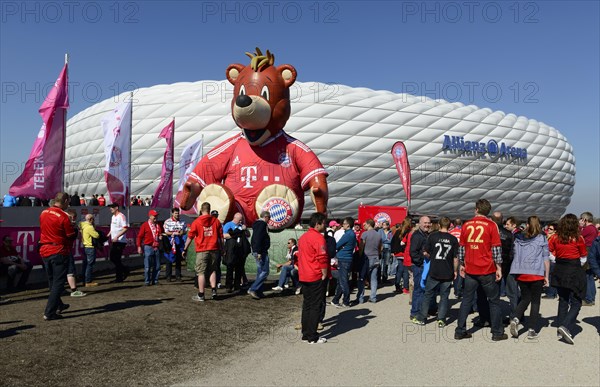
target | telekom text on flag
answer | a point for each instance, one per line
(189, 158)
(116, 126)
(163, 195)
(402, 166)
(43, 174)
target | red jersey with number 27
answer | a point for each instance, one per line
(478, 236)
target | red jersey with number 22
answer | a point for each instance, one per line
(478, 235)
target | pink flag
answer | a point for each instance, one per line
(163, 196)
(43, 174)
(117, 126)
(401, 160)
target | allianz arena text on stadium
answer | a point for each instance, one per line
(457, 153)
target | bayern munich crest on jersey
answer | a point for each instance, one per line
(280, 211)
(382, 217)
(284, 160)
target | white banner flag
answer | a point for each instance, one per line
(116, 126)
(189, 158)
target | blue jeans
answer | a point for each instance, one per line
(56, 271)
(417, 298)
(459, 284)
(491, 289)
(287, 271)
(569, 305)
(373, 295)
(401, 274)
(432, 286)
(590, 293)
(385, 264)
(88, 264)
(551, 290)
(262, 272)
(512, 292)
(343, 288)
(363, 271)
(151, 265)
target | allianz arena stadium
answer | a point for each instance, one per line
(457, 153)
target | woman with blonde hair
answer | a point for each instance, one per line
(531, 266)
(568, 246)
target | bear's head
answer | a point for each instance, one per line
(261, 96)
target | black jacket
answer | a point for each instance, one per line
(507, 239)
(417, 243)
(261, 241)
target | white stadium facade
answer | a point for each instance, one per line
(457, 153)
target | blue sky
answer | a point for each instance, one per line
(539, 59)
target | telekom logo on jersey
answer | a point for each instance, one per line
(249, 175)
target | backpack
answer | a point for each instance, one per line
(330, 245)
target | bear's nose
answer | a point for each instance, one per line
(243, 101)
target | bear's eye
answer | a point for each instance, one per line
(265, 92)
(242, 90)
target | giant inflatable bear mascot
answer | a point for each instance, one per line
(262, 168)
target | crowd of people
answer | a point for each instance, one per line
(481, 259)
(75, 200)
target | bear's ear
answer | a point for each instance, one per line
(288, 73)
(233, 72)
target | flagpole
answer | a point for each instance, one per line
(172, 202)
(127, 202)
(64, 144)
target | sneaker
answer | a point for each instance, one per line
(213, 294)
(62, 308)
(298, 290)
(277, 289)
(321, 340)
(342, 306)
(253, 294)
(91, 284)
(373, 300)
(78, 293)
(52, 317)
(286, 286)
(588, 303)
(461, 336)
(416, 321)
(532, 335)
(405, 291)
(198, 298)
(565, 334)
(336, 304)
(547, 297)
(514, 327)
(501, 337)
(320, 327)
(219, 286)
(441, 324)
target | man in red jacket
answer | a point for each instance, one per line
(148, 240)
(57, 237)
(313, 264)
(208, 234)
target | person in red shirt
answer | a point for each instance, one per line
(313, 264)
(480, 254)
(57, 237)
(101, 200)
(568, 246)
(589, 233)
(148, 240)
(207, 232)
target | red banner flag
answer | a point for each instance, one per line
(401, 159)
(43, 174)
(163, 196)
